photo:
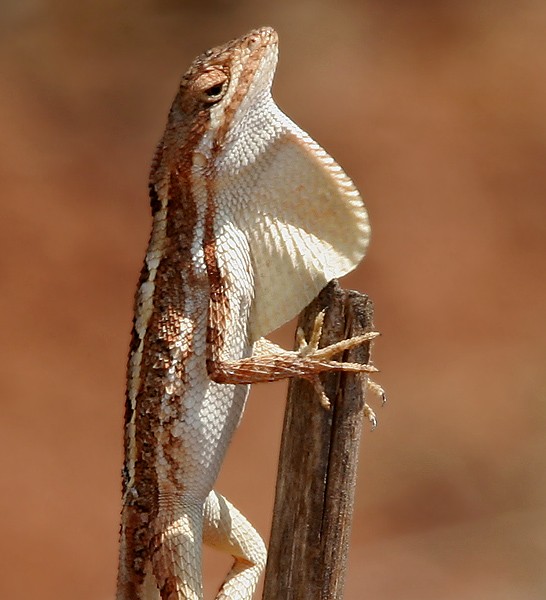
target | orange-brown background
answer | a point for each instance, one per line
(436, 109)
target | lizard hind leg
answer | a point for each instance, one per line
(176, 548)
(226, 529)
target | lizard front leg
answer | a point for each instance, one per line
(270, 362)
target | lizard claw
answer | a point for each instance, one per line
(306, 348)
(376, 389)
(370, 415)
(319, 390)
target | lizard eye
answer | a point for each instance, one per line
(214, 93)
(211, 85)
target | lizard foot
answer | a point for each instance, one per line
(310, 348)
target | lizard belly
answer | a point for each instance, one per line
(195, 417)
(194, 437)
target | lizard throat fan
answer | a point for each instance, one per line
(301, 216)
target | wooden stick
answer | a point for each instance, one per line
(317, 467)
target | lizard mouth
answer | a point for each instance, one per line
(262, 36)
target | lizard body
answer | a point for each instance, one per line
(251, 218)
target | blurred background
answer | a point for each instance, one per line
(436, 110)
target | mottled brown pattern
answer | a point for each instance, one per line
(164, 329)
(167, 581)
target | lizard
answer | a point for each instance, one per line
(251, 219)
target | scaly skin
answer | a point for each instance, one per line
(251, 218)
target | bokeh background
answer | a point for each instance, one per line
(436, 109)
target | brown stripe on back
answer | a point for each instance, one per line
(174, 276)
(133, 348)
(219, 300)
(164, 330)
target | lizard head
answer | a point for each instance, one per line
(228, 73)
(217, 87)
